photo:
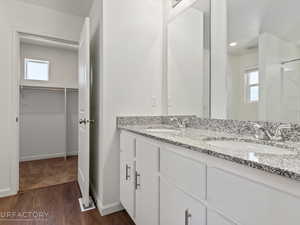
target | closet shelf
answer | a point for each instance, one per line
(54, 88)
(47, 84)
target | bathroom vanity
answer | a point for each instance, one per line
(213, 172)
(224, 170)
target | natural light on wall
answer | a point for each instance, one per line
(36, 70)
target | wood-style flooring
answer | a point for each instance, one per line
(55, 205)
(48, 172)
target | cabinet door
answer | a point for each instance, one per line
(215, 219)
(127, 172)
(147, 183)
(236, 196)
(127, 189)
(177, 208)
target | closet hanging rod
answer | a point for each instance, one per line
(43, 88)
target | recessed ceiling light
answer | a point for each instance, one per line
(288, 69)
(232, 44)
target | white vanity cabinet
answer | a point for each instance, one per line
(215, 219)
(182, 188)
(178, 208)
(163, 184)
(139, 180)
(250, 202)
(127, 172)
(147, 183)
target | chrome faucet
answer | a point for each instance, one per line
(261, 132)
(279, 135)
(265, 134)
(180, 123)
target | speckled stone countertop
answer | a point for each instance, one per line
(284, 160)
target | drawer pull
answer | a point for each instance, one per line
(137, 177)
(127, 172)
(188, 216)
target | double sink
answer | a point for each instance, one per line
(248, 145)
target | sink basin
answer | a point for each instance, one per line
(250, 147)
(163, 130)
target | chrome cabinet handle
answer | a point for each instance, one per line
(137, 184)
(188, 216)
(127, 172)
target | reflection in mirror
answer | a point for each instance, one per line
(189, 58)
(175, 3)
(263, 73)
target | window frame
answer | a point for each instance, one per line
(248, 86)
(26, 60)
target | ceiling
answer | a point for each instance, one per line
(74, 7)
(248, 19)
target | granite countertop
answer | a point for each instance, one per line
(285, 163)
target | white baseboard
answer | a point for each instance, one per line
(6, 192)
(74, 153)
(106, 209)
(110, 208)
(46, 156)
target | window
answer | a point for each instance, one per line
(252, 85)
(36, 70)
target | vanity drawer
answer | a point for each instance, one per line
(127, 145)
(187, 174)
(249, 202)
(177, 208)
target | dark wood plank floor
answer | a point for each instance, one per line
(57, 205)
(48, 172)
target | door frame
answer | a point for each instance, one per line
(15, 102)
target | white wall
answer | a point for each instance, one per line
(238, 107)
(16, 15)
(43, 124)
(186, 63)
(128, 80)
(63, 65)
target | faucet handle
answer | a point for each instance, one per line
(279, 135)
(256, 125)
(261, 132)
(285, 126)
(181, 123)
(174, 119)
(281, 127)
(185, 122)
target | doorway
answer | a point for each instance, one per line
(47, 111)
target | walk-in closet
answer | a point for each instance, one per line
(48, 112)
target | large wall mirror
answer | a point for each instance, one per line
(261, 79)
(188, 57)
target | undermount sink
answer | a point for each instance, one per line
(162, 130)
(250, 147)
